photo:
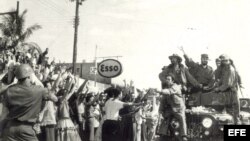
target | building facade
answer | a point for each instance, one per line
(87, 70)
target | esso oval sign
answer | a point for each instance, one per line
(109, 68)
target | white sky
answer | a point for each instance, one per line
(144, 32)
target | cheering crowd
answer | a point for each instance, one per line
(46, 102)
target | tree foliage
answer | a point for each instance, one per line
(13, 31)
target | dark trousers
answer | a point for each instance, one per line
(90, 130)
(82, 129)
(111, 131)
(48, 133)
(126, 128)
(19, 131)
(233, 105)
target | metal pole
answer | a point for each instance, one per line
(75, 36)
(17, 9)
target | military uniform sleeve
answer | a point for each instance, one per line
(211, 78)
(228, 81)
(239, 78)
(175, 89)
(48, 95)
(5, 110)
(190, 78)
(189, 62)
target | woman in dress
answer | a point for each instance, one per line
(48, 116)
(66, 130)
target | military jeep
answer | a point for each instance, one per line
(206, 115)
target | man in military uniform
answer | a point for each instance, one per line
(228, 86)
(179, 71)
(174, 105)
(202, 72)
(24, 102)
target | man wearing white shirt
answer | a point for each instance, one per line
(111, 125)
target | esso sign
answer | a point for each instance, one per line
(109, 68)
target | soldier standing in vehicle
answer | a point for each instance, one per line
(174, 105)
(203, 73)
(24, 102)
(179, 72)
(228, 86)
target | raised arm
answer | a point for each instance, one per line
(72, 89)
(175, 89)
(191, 79)
(82, 86)
(57, 82)
(188, 61)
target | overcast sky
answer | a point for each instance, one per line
(144, 32)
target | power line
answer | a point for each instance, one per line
(48, 6)
(59, 7)
(53, 41)
(53, 6)
(67, 19)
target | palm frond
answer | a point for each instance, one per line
(9, 18)
(6, 31)
(8, 26)
(29, 31)
(32, 46)
(21, 22)
(22, 16)
(13, 29)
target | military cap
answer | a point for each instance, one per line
(204, 56)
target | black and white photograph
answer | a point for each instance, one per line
(124, 70)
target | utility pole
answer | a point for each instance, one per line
(17, 9)
(95, 64)
(75, 35)
(14, 12)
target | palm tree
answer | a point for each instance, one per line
(13, 31)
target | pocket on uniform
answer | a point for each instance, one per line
(27, 132)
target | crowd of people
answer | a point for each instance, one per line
(43, 101)
(46, 102)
